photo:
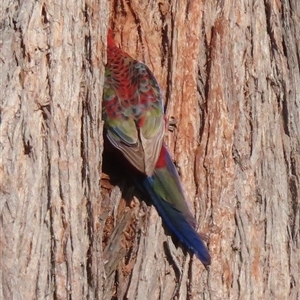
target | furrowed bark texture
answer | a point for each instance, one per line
(52, 59)
(229, 72)
(230, 75)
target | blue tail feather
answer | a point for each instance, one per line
(177, 223)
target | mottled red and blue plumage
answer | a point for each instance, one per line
(132, 109)
(135, 125)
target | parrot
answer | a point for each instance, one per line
(135, 125)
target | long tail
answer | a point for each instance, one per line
(165, 190)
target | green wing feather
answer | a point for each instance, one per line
(133, 112)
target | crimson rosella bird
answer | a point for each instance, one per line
(135, 125)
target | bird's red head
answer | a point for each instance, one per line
(110, 39)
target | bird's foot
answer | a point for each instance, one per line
(172, 124)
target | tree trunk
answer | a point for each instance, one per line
(52, 56)
(230, 75)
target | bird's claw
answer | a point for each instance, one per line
(172, 124)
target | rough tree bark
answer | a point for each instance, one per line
(52, 58)
(229, 71)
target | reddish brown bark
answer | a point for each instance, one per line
(229, 72)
